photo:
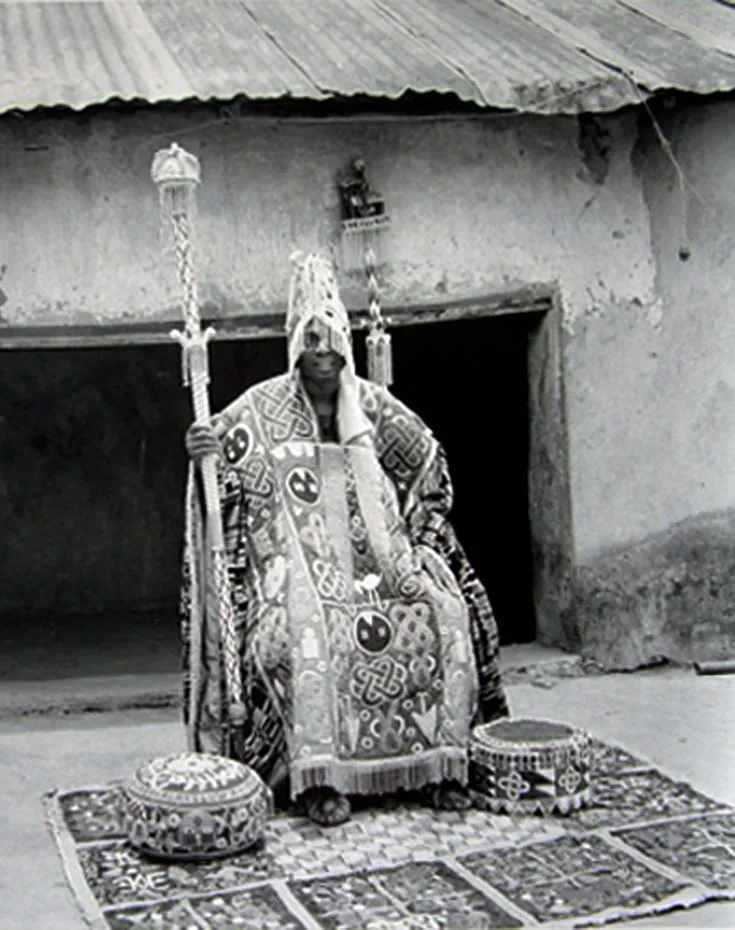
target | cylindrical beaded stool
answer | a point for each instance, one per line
(195, 806)
(530, 767)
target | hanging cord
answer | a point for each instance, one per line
(686, 187)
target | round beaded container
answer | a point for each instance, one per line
(195, 806)
(530, 767)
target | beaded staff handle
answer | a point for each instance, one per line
(176, 174)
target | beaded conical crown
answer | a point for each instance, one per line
(315, 307)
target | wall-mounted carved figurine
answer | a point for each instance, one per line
(359, 201)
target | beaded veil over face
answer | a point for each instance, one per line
(317, 317)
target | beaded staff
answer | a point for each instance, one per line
(176, 173)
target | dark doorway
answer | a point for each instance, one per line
(92, 473)
(469, 381)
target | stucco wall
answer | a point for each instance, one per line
(664, 382)
(694, 379)
(671, 593)
(475, 205)
(478, 207)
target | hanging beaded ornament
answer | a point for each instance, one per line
(365, 224)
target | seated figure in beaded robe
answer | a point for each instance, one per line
(368, 645)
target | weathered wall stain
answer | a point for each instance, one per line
(3, 295)
(670, 597)
(595, 147)
(669, 590)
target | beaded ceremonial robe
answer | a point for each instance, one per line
(358, 660)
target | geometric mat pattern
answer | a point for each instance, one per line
(645, 845)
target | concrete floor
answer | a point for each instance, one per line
(680, 721)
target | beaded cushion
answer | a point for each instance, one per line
(195, 806)
(530, 767)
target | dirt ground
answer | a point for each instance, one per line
(680, 721)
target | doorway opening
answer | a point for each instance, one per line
(469, 381)
(92, 474)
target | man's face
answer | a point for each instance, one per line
(319, 363)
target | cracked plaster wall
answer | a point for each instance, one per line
(477, 206)
(669, 592)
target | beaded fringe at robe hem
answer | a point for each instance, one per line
(381, 776)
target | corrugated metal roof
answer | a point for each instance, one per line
(541, 56)
(620, 33)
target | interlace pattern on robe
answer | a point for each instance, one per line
(417, 469)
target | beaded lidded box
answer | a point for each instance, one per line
(195, 806)
(530, 767)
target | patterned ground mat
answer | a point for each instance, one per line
(646, 845)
